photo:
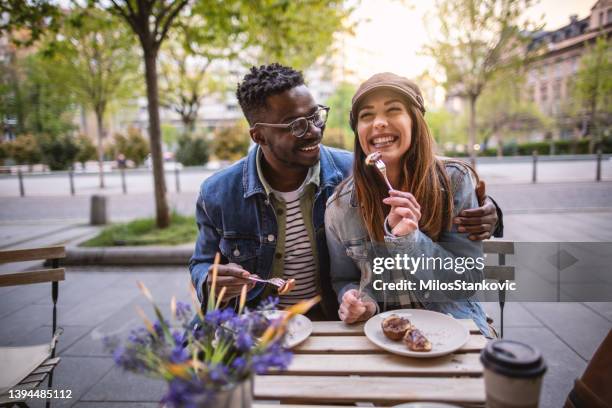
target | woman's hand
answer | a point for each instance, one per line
(353, 309)
(405, 212)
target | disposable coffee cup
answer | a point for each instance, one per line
(513, 374)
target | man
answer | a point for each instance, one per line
(265, 213)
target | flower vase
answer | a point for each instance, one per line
(237, 396)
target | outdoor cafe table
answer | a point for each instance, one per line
(337, 364)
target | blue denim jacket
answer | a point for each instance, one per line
(235, 218)
(350, 246)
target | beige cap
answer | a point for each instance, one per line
(387, 80)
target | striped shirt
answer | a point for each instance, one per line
(299, 262)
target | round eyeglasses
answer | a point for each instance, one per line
(300, 126)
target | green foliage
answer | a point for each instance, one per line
(170, 134)
(87, 150)
(592, 90)
(232, 143)
(474, 40)
(59, 152)
(504, 111)
(134, 146)
(4, 151)
(446, 127)
(340, 107)
(284, 31)
(24, 149)
(43, 105)
(335, 137)
(193, 150)
(526, 149)
(99, 54)
(144, 232)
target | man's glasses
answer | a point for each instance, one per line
(300, 126)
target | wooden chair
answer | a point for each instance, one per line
(500, 272)
(53, 275)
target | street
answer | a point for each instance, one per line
(494, 171)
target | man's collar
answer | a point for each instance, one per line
(324, 173)
(312, 177)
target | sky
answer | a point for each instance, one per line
(391, 33)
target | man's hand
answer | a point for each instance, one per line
(232, 277)
(479, 222)
(353, 309)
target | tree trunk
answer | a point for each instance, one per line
(472, 131)
(100, 125)
(159, 182)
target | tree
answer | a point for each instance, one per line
(592, 90)
(4, 151)
(43, 104)
(231, 143)
(504, 110)
(151, 20)
(477, 38)
(276, 29)
(134, 146)
(446, 127)
(283, 31)
(25, 150)
(192, 150)
(87, 150)
(98, 51)
(59, 152)
(197, 41)
(340, 106)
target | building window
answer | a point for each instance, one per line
(557, 90)
(531, 94)
(601, 18)
(609, 18)
(543, 92)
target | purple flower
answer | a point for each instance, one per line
(219, 374)
(179, 354)
(178, 337)
(218, 317)
(157, 326)
(244, 341)
(268, 304)
(183, 311)
(128, 359)
(273, 357)
(187, 393)
(239, 363)
(139, 336)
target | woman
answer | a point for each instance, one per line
(365, 220)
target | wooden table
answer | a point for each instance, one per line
(339, 365)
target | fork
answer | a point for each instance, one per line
(374, 159)
(278, 282)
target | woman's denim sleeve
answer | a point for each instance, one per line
(206, 246)
(344, 273)
(451, 244)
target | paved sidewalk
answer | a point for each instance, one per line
(99, 301)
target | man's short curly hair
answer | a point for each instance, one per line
(262, 82)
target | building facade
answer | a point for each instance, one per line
(551, 75)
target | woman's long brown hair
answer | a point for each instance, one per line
(422, 174)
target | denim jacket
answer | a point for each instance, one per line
(236, 218)
(350, 248)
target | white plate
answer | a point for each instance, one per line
(299, 328)
(444, 332)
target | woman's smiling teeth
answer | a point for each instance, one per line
(309, 148)
(382, 141)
